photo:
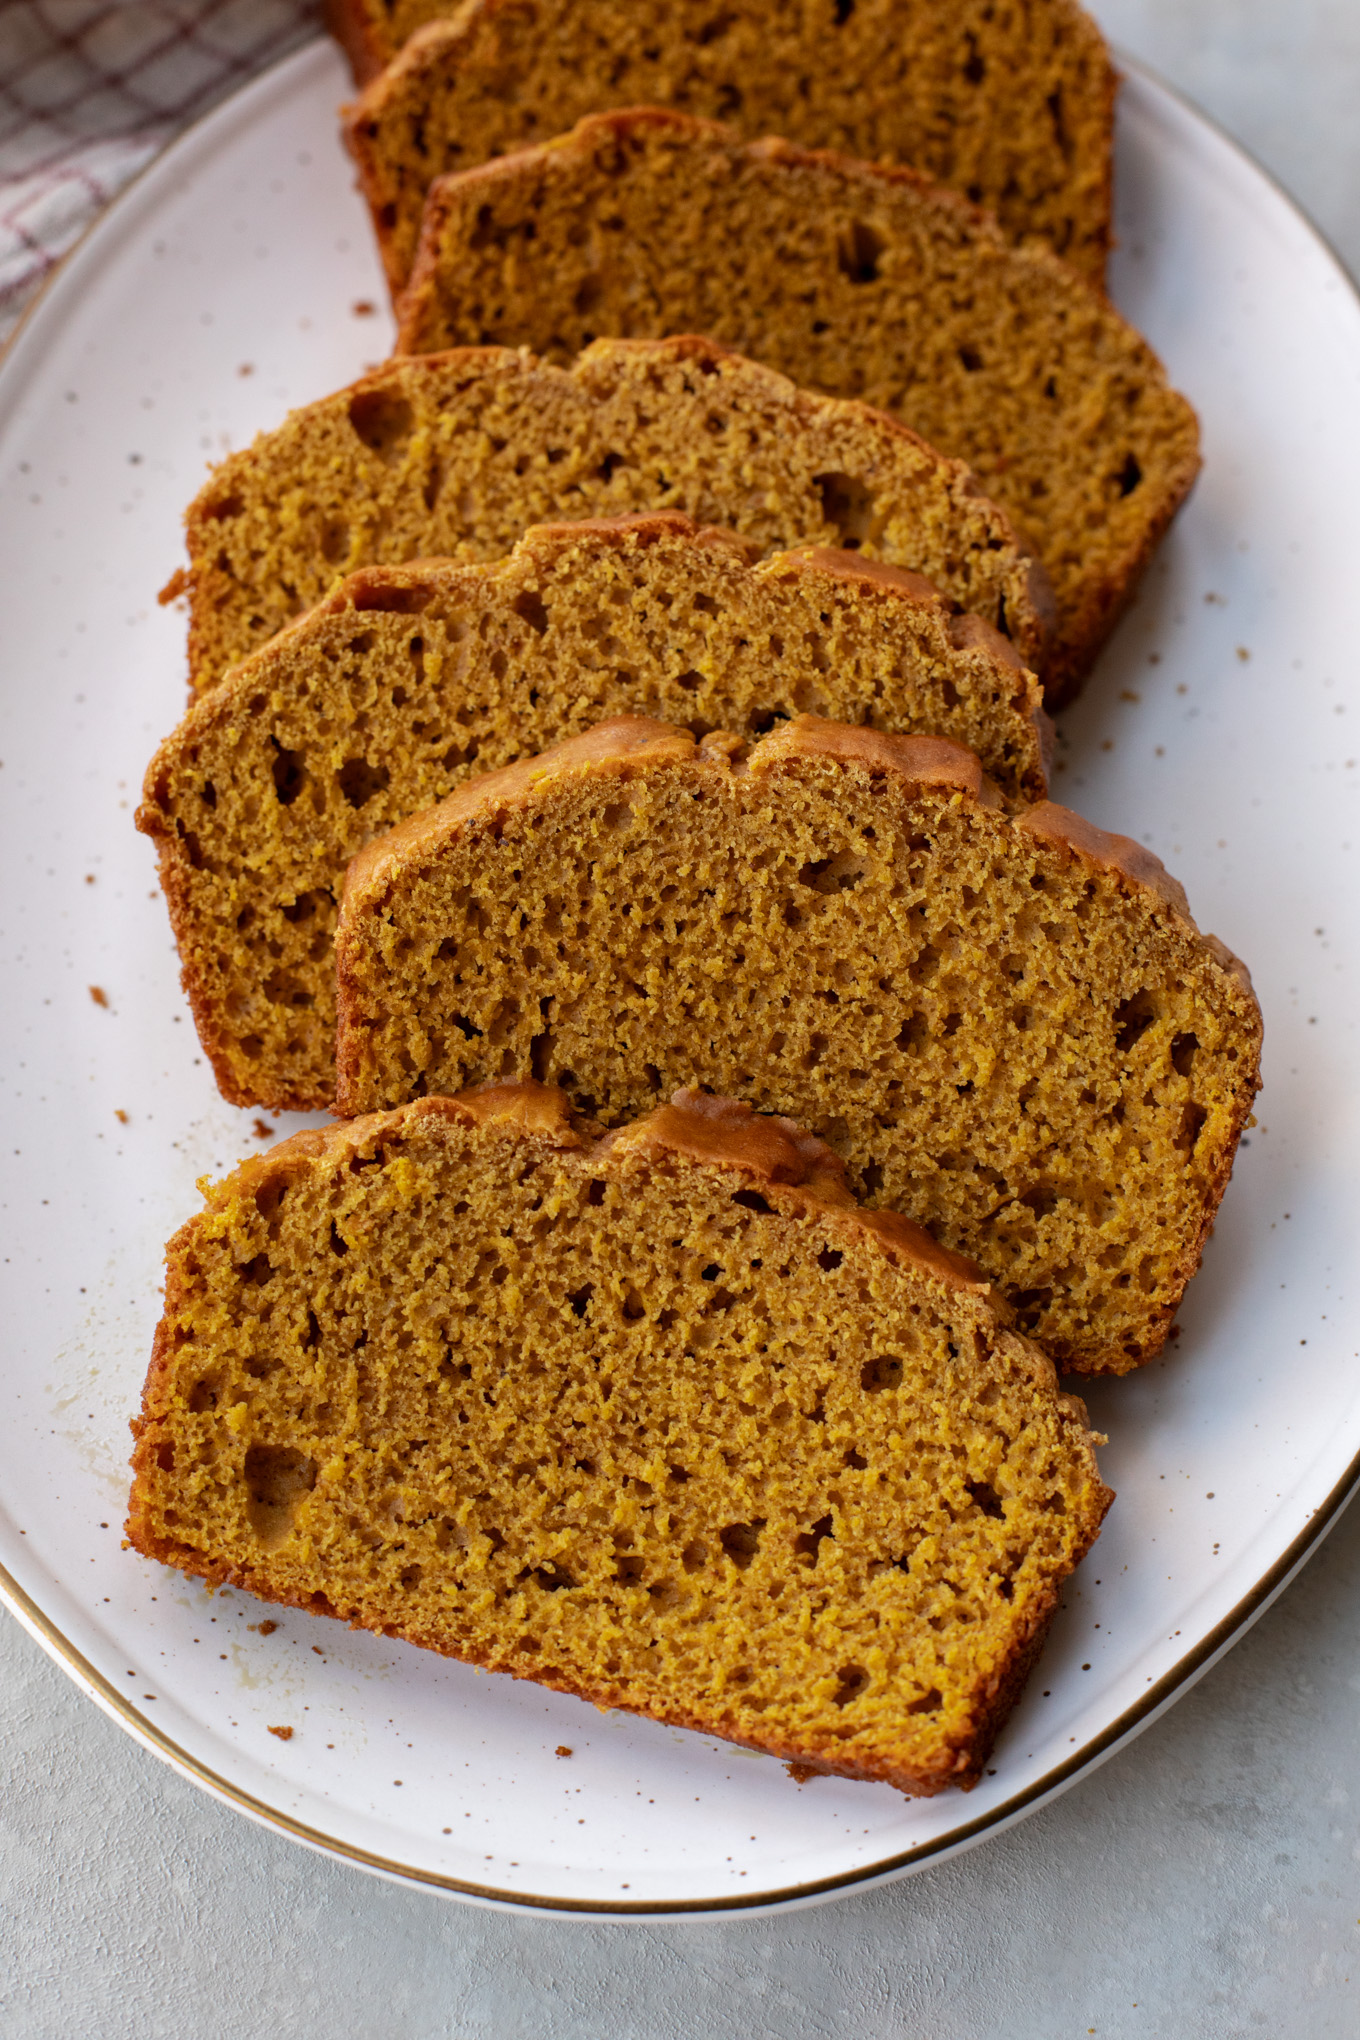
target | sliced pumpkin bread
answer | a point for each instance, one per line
(1010, 107)
(455, 456)
(861, 281)
(408, 679)
(1006, 1023)
(663, 1420)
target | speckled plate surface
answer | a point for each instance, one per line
(237, 279)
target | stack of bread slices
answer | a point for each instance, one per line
(615, 783)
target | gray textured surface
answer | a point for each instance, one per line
(1205, 1883)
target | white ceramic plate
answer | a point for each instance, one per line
(222, 290)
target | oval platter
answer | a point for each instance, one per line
(236, 279)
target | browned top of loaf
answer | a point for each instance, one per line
(721, 1133)
(770, 1149)
(454, 456)
(629, 742)
(860, 280)
(1010, 107)
(1007, 1023)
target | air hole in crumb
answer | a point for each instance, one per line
(854, 1680)
(531, 608)
(384, 421)
(359, 781)
(289, 773)
(1030, 1305)
(858, 250)
(808, 1541)
(848, 506)
(1132, 1020)
(277, 1477)
(741, 1541)
(1192, 1125)
(884, 1371)
(985, 1497)
(552, 1578)
(1129, 476)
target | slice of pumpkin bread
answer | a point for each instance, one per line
(454, 457)
(858, 280)
(1007, 1023)
(664, 1420)
(1012, 108)
(408, 679)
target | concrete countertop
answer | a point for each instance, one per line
(1204, 1883)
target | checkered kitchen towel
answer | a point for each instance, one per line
(89, 91)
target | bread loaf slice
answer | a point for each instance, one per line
(455, 456)
(857, 280)
(1006, 1023)
(1012, 108)
(408, 679)
(663, 1420)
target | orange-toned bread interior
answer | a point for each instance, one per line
(660, 1419)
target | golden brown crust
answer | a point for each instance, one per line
(1050, 823)
(726, 1133)
(1087, 627)
(628, 741)
(649, 527)
(1229, 962)
(863, 574)
(911, 761)
(474, 87)
(637, 743)
(640, 743)
(353, 30)
(328, 477)
(960, 1770)
(173, 872)
(447, 293)
(768, 1148)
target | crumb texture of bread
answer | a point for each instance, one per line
(1005, 1023)
(455, 457)
(659, 1419)
(859, 281)
(1012, 107)
(409, 679)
